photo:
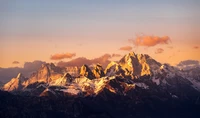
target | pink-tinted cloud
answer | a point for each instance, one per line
(116, 55)
(15, 62)
(196, 47)
(126, 48)
(62, 56)
(150, 41)
(159, 50)
(103, 60)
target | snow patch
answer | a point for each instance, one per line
(71, 91)
(157, 81)
(142, 85)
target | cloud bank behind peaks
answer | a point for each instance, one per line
(62, 56)
(150, 41)
(103, 60)
(188, 64)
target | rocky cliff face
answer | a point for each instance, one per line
(136, 64)
(15, 83)
(133, 71)
(86, 72)
(98, 71)
(47, 73)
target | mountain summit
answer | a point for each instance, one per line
(132, 73)
(15, 83)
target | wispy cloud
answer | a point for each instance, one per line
(159, 50)
(15, 62)
(126, 48)
(62, 56)
(149, 41)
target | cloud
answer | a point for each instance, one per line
(116, 55)
(149, 41)
(103, 60)
(15, 62)
(62, 56)
(32, 66)
(74, 62)
(126, 48)
(159, 50)
(196, 47)
(188, 64)
(7, 73)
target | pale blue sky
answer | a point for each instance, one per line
(61, 26)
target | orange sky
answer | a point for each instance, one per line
(29, 34)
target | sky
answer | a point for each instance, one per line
(54, 31)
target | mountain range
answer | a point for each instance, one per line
(134, 76)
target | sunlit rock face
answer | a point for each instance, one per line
(133, 71)
(113, 69)
(135, 64)
(98, 71)
(47, 73)
(62, 81)
(15, 83)
(86, 72)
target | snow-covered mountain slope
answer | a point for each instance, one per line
(87, 87)
(15, 83)
(131, 72)
(62, 81)
(192, 75)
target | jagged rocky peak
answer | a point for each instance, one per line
(62, 81)
(113, 69)
(68, 77)
(47, 73)
(98, 71)
(15, 83)
(135, 64)
(50, 67)
(85, 71)
(21, 77)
